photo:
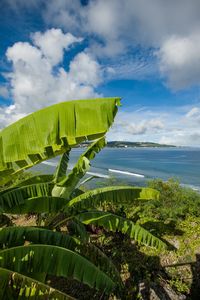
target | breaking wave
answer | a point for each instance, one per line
(126, 173)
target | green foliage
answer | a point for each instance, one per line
(61, 169)
(57, 261)
(110, 195)
(41, 251)
(18, 236)
(116, 223)
(17, 286)
(175, 202)
(52, 131)
(65, 187)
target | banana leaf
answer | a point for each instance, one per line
(15, 197)
(56, 261)
(35, 179)
(52, 131)
(17, 286)
(45, 204)
(114, 223)
(17, 236)
(114, 194)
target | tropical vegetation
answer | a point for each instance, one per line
(60, 243)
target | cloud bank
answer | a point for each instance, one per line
(38, 79)
(172, 28)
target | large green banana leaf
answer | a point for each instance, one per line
(45, 204)
(36, 199)
(56, 261)
(114, 223)
(113, 194)
(14, 197)
(17, 236)
(17, 286)
(51, 131)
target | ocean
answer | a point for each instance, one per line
(137, 165)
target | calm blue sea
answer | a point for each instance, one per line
(136, 165)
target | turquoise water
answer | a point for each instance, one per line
(180, 163)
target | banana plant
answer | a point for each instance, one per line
(28, 252)
(61, 197)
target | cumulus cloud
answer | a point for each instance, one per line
(82, 62)
(37, 80)
(52, 44)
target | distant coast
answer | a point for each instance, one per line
(126, 144)
(122, 144)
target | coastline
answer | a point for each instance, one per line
(137, 166)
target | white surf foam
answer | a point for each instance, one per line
(126, 173)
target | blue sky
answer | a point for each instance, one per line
(145, 51)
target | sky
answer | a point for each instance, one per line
(145, 51)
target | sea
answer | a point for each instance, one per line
(136, 166)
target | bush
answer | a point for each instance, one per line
(176, 202)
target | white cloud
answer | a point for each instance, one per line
(80, 64)
(180, 60)
(34, 81)
(128, 20)
(53, 42)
